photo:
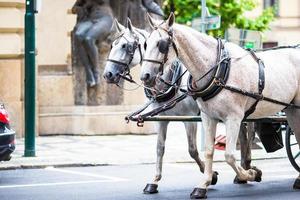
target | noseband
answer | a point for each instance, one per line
(163, 47)
(130, 48)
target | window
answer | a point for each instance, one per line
(269, 3)
(272, 3)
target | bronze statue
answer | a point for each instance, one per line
(135, 10)
(94, 23)
(152, 7)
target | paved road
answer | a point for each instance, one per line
(125, 182)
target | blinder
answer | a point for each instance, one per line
(131, 47)
(163, 45)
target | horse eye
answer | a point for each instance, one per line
(123, 46)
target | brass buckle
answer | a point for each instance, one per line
(218, 82)
(140, 121)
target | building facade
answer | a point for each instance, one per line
(57, 112)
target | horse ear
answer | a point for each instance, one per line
(119, 26)
(129, 24)
(171, 19)
(151, 21)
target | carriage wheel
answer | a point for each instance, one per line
(292, 148)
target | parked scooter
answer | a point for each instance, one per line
(7, 136)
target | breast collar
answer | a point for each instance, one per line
(173, 87)
(221, 72)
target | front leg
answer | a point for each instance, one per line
(209, 125)
(232, 131)
(161, 127)
(246, 136)
(191, 131)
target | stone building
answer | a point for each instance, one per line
(57, 112)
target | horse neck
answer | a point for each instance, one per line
(197, 51)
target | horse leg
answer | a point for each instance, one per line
(293, 116)
(191, 131)
(232, 130)
(151, 188)
(246, 136)
(209, 126)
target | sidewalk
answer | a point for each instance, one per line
(61, 151)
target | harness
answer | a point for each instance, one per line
(261, 82)
(166, 97)
(221, 70)
(173, 84)
(163, 47)
(218, 81)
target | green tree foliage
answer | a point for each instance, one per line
(231, 11)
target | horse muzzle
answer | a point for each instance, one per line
(148, 80)
(111, 77)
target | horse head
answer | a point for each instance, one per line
(160, 50)
(125, 53)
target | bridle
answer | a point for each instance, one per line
(163, 47)
(130, 48)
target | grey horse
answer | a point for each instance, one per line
(200, 53)
(126, 53)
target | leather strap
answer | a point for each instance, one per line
(221, 70)
(261, 82)
(173, 83)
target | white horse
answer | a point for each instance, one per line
(199, 52)
(126, 53)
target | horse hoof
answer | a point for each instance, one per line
(214, 178)
(238, 181)
(198, 193)
(296, 185)
(258, 174)
(150, 189)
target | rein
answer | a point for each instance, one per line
(167, 98)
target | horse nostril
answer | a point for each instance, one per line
(145, 77)
(108, 75)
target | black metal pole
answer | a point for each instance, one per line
(30, 77)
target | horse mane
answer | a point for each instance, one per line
(188, 32)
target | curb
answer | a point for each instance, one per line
(65, 165)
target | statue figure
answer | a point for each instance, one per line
(94, 24)
(152, 7)
(135, 10)
(91, 37)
